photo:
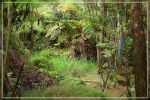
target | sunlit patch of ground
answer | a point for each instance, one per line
(93, 80)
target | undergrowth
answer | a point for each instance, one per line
(58, 63)
(67, 71)
(64, 91)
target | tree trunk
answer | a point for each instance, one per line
(6, 48)
(31, 36)
(15, 93)
(139, 42)
(101, 34)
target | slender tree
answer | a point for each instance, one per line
(5, 61)
(101, 34)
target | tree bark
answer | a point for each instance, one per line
(139, 42)
(5, 61)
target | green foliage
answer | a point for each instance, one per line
(67, 26)
(91, 26)
(52, 30)
(64, 91)
(25, 28)
(128, 47)
(87, 27)
(63, 63)
(67, 79)
(61, 40)
(58, 64)
(108, 48)
(113, 78)
(16, 43)
(40, 44)
(38, 27)
(42, 59)
(71, 24)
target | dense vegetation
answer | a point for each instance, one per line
(84, 49)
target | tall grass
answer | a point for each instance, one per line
(64, 91)
(58, 64)
(65, 65)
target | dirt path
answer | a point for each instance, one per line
(116, 91)
(93, 80)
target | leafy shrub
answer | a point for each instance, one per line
(42, 59)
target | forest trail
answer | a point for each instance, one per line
(89, 83)
(116, 91)
(93, 80)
